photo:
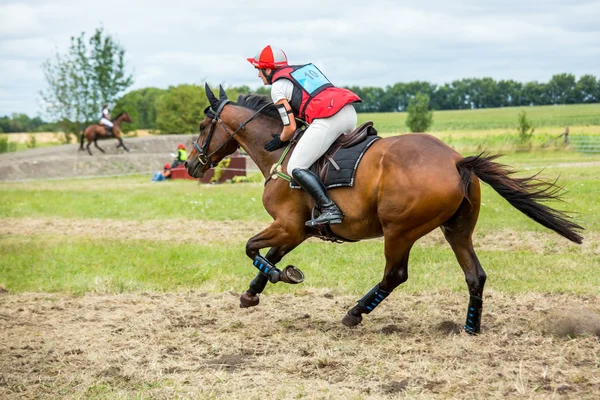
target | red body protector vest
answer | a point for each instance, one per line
(313, 95)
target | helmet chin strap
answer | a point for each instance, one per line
(270, 76)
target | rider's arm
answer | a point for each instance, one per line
(288, 130)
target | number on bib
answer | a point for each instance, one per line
(310, 78)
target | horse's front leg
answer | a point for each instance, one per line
(281, 242)
(122, 144)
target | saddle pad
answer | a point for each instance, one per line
(347, 160)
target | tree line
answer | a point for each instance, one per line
(474, 93)
(179, 109)
(19, 122)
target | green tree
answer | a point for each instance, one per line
(526, 127)
(181, 109)
(419, 117)
(561, 89)
(141, 106)
(588, 88)
(91, 73)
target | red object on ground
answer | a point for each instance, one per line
(180, 172)
(237, 167)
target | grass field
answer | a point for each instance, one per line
(119, 200)
(121, 288)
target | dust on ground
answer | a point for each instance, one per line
(202, 345)
(231, 231)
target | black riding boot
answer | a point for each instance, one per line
(330, 213)
(109, 131)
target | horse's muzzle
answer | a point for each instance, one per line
(194, 168)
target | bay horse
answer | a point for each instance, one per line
(405, 186)
(98, 131)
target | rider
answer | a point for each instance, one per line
(181, 156)
(105, 120)
(303, 92)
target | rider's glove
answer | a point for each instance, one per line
(275, 144)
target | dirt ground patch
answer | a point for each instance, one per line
(226, 231)
(160, 230)
(202, 345)
(146, 155)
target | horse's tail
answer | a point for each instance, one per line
(522, 193)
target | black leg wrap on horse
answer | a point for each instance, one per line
(267, 269)
(472, 326)
(258, 284)
(373, 298)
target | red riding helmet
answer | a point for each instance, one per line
(180, 146)
(270, 57)
(167, 166)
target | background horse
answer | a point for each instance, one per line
(405, 186)
(97, 131)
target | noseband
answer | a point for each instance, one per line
(203, 157)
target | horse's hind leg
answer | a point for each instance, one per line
(397, 250)
(88, 148)
(98, 147)
(458, 231)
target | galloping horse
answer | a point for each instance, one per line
(97, 131)
(405, 186)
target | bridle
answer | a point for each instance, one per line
(203, 157)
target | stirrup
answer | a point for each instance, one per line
(332, 220)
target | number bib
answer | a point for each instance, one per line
(310, 78)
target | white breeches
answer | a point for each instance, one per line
(107, 122)
(319, 136)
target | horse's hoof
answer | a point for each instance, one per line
(292, 275)
(351, 320)
(249, 300)
(471, 331)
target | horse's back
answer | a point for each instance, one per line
(416, 150)
(408, 180)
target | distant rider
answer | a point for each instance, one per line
(105, 121)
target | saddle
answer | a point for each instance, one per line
(337, 166)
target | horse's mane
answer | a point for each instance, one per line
(256, 101)
(118, 116)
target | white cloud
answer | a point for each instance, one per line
(354, 42)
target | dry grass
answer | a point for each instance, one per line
(235, 231)
(203, 345)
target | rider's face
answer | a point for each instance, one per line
(262, 76)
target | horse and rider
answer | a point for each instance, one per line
(303, 92)
(403, 186)
(105, 129)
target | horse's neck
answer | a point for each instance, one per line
(117, 121)
(253, 139)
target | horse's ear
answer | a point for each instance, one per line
(222, 94)
(212, 100)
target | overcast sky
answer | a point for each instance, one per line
(365, 43)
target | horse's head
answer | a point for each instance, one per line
(123, 117)
(216, 139)
(127, 117)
